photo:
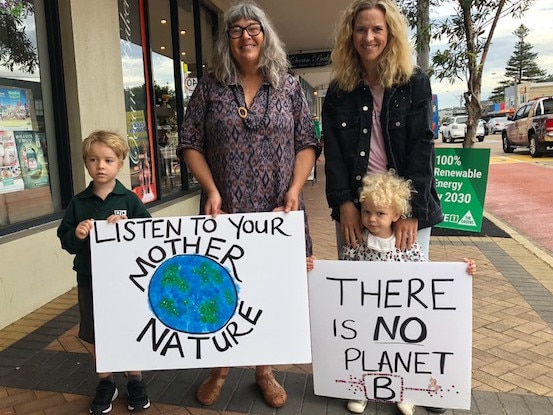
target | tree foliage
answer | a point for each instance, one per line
(521, 66)
(467, 35)
(498, 93)
(16, 49)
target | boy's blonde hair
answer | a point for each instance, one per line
(111, 139)
(387, 190)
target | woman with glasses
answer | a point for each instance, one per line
(249, 140)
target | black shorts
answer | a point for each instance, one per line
(86, 326)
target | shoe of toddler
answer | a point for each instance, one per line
(357, 406)
(406, 408)
(434, 410)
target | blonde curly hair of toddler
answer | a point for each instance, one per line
(387, 190)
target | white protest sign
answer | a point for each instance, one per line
(198, 291)
(392, 331)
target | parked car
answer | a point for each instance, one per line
(481, 130)
(456, 129)
(496, 124)
(531, 127)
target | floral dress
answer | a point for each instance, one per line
(252, 163)
(381, 249)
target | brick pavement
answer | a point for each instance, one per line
(44, 369)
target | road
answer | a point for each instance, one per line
(519, 191)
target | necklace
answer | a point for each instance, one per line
(248, 118)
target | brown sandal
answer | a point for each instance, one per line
(273, 394)
(210, 389)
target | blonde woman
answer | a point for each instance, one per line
(377, 116)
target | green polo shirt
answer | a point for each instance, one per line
(87, 205)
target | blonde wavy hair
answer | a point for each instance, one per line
(111, 139)
(387, 190)
(395, 65)
(273, 62)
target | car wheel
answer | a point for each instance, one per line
(451, 140)
(506, 145)
(533, 146)
(481, 138)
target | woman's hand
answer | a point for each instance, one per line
(213, 203)
(291, 200)
(405, 231)
(350, 223)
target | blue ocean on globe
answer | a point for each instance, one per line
(193, 294)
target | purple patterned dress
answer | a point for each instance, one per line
(252, 167)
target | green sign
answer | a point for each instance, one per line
(461, 176)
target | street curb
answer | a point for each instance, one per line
(542, 254)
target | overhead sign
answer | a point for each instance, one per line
(185, 292)
(309, 60)
(392, 331)
(461, 177)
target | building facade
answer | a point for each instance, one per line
(517, 95)
(76, 66)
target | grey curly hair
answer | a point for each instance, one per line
(273, 63)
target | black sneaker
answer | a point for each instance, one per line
(138, 399)
(106, 392)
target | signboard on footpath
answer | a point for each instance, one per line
(461, 177)
(392, 331)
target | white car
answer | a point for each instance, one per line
(481, 130)
(497, 124)
(456, 129)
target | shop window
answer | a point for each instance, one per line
(163, 77)
(208, 25)
(25, 176)
(141, 161)
(169, 60)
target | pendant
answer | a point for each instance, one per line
(242, 112)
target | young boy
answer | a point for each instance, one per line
(104, 199)
(384, 199)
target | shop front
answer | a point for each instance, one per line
(69, 67)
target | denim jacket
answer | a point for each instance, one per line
(406, 120)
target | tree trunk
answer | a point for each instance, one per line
(423, 34)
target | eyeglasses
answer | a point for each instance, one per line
(253, 29)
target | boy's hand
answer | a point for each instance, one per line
(83, 229)
(115, 218)
(471, 266)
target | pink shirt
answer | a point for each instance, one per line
(378, 162)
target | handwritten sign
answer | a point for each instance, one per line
(198, 291)
(392, 332)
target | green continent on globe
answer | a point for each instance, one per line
(193, 294)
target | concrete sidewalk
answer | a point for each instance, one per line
(44, 369)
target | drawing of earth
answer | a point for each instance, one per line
(193, 294)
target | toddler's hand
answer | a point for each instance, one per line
(310, 262)
(471, 266)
